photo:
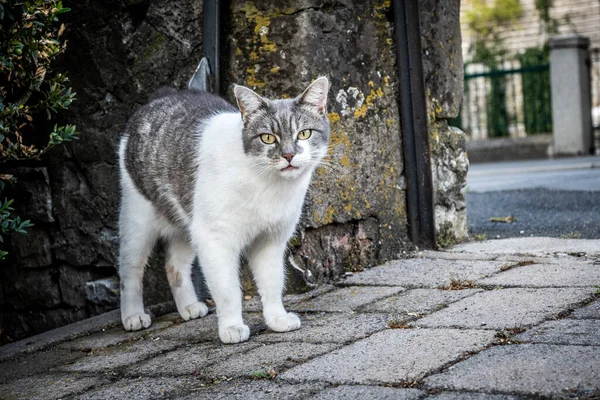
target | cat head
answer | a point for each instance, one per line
(285, 137)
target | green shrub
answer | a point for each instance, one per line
(31, 92)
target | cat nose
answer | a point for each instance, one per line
(288, 156)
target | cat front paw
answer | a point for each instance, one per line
(234, 334)
(136, 322)
(193, 311)
(284, 323)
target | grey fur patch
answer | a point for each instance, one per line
(284, 118)
(163, 138)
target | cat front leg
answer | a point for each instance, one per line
(220, 264)
(266, 261)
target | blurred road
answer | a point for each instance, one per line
(547, 197)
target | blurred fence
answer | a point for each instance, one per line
(595, 82)
(511, 100)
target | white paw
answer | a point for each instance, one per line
(234, 334)
(193, 311)
(136, 322)
(284, 323)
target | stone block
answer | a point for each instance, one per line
(143, 389)
(568, 273)
(33, 196)
(32, 288)
(526, 370)
(103, 294)
(206, 329)
(538, 246)
(391, 357)
(565, 331)
(591, 311)
(335, 328)
(120, 356)
(115, 336)
(49, 386)
(419, 301)
(33, 249)
(470, 396)
(256, 390)
(368, 392)
(346, 299)
(424, 273)
(506, 308)
(189, 360)
(36, 364)
(72, 282)
(278, 356)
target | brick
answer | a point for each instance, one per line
(419, 301)
(121, 356)
(566, 274)
(368, 392)
(391, 356)
(278, 356)
(528, 369)
(346, 299)
(565, 331)
(188, 360)
(48, 386)
(424, 272)
(336, 328)
(506, 308)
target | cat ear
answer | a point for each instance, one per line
(315, 95)
(247, 100)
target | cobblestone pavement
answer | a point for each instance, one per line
(506, 319)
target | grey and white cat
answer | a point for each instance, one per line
(217, 183)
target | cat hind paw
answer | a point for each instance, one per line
(136, 322)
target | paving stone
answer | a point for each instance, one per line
(346, 299)
(254, 304)
(447, 255)
(506, 308)
(255, 390)
(566, 274)
(368, 392)
(278, 356)
(565, 331)
(531, 369)
(188, 360)
(114, 336)
(540, 246)
(424, 272)
(391, 356)
(419, 301)
(36, 363)
(206, 329)
(591, 311)
(48, 386)
(121, 355)
(338, 328)
(470, 396)
(142, 388)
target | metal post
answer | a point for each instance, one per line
(417, 162)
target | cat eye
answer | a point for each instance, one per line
(267, 138)
(304, 134)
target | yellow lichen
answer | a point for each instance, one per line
(360, 112)
(275, 70)
(345, 161)
(333, 117)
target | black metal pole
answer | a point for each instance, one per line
(211, 37)
(413, 122)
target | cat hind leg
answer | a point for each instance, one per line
(180, 255)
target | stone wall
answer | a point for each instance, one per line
(443, 70)
(120, 51)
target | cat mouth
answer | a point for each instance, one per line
(289, 168)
